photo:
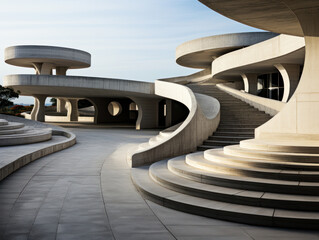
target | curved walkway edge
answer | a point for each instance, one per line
(61, 139)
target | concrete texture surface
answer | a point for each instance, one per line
(199, 53)
(270, 106)
(280, 49)
(85, 192)
(202, 120)
(35, 56)
(274, 16)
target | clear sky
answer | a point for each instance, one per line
(128, 39)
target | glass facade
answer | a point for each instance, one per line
(271, 86)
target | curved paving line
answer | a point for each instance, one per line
(44, 151)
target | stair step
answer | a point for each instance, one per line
(219, 142)
(11, 125)
(220, 210)
(30, 136)
(215, 155)
(243, 182)
(14, 131)
(217, 162)
(243, 129)
(237, 151)
(239, 134)
(163, 176)
(227, 138)
(205, 147)
(3, 122)
(289, 146)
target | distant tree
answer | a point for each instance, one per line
(7, 94)
(53, 101)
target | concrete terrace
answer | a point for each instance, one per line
(85, 192)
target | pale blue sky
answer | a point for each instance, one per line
(127, 39)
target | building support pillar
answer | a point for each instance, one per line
(250, 82)
(61, 105)
(290, 74)
(38, 111)
(73, 112)
(43, 68)
(147, 113)
(299, 119)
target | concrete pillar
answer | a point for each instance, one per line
(290, 74)
(299, 120)
(147, 113)
(43, 68)
(61, 71)
(61, 105)
(38, 111)
(73, 113)
(250, 82)
(34, 110)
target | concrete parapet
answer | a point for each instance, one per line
(202, 121)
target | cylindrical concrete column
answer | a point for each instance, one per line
(43, 68)
(300, 117)
(290, 74)
(250, 82)
(73, 113)
(61, 105)
(38, 112)
(35, 109)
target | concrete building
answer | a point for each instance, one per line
(240, 139)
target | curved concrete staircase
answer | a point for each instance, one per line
(248, 186)
(238, 119)
(259, 182)
(13, 133)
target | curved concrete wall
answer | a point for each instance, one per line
(272, 49)
(199, 53)
(202, 121)
(200, 76)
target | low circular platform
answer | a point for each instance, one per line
(27, 55)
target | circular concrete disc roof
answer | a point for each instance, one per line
(200, 53)
(271, 15)
(24, 56)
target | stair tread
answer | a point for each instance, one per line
(160, 173)
(212, 164)
(217, 209)
(256, 160)
(183, 167)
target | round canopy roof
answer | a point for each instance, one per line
(26, 55)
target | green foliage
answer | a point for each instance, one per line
(6, 94)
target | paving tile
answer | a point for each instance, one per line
(59, 197)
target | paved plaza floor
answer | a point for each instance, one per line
(85, 192)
